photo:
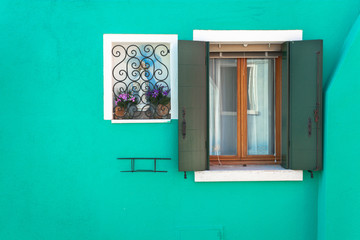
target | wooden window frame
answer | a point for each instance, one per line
(242, 157)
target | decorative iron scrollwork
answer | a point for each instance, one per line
(141, 83)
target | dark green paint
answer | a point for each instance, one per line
(193, 106)
(285, 106)
(302, 89)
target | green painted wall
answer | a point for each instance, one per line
(58, 175)
(339, 202)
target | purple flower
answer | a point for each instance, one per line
(123, 96)
(155, 93)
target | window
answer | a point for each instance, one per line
(244, 110)
(140, 78)
(250, 107)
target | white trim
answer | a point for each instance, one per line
(247, 36)
(142, 121)
(253, 173)
(141, 38)
(107, 80)
(174, 76)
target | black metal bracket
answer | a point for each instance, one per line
(150, 170)
(183, 124)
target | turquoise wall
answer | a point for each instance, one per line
(59, 177)
(339, 202)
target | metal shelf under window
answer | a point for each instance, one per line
(132, 162)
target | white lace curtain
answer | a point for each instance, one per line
(223, 107)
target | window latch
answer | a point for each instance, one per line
(183, 124)
(316, 113)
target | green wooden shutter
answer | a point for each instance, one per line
(285, 106)
(302, 105)
(193, 106)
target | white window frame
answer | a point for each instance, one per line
(108, 39)
(251, 172)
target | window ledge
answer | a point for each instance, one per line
(250, 173)
(142, 121)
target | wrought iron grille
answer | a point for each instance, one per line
(141, 81)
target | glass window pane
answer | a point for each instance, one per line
(223, 106)
(260, 107)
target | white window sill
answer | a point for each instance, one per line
(250, 173)
(142, 121)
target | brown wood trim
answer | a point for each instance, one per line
(259, 157)
(278, 108)
(238, 107)
(243, 106)
(223, 157)
(239, 162)
(249, 157)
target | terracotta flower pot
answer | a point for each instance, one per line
(119, 112)
(163, 110)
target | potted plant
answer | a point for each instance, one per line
(123, 102)
(159, 97)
